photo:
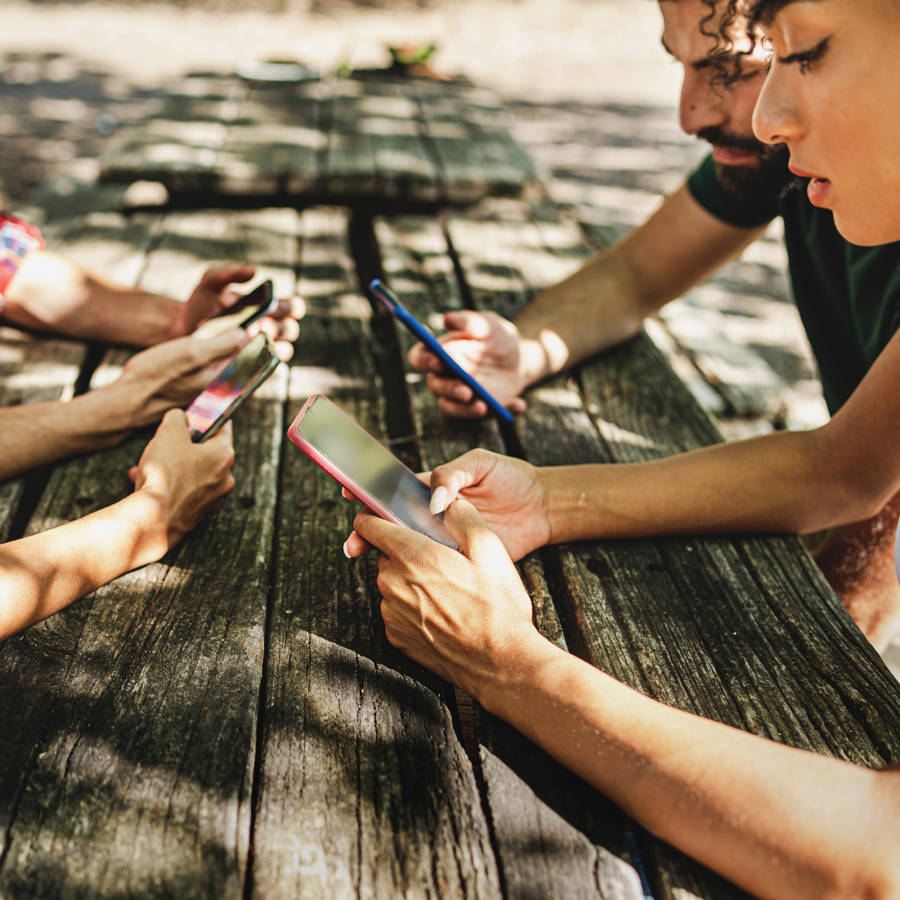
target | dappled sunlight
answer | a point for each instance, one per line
(42, 378)
(306, 380)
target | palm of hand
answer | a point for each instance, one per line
(494, 361)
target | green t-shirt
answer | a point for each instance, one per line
(848, 296)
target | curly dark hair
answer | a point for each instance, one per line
(726, 59)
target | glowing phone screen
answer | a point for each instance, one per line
(241, 377)
(366, 465)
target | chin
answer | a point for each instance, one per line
(866, 232)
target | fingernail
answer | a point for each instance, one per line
(344, 548)
(438, 500)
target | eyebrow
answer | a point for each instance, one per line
(696, 65)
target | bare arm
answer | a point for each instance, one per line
(153, 381)
(176, 483)
(50, 293)
(602, 304)
(787, 481)
(606, 301)
(781, 822)
(778, 821)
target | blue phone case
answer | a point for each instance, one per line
(381, 293)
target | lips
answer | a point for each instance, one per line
(818, 188)
(732, 156)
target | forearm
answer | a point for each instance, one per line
(49, 293)
(41, 433)
(597, 307)
(783, 482)
(43, 573)
(607, 300)
(778, 821)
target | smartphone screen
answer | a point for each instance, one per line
(357, 460)
(247, 370)
(260, 301)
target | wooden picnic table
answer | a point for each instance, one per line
(373, 139)
(231, 722)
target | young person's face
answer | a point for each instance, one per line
(719, 114)
(832, 96)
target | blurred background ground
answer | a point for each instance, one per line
(591, 95)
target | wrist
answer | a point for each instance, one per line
(567, 505)
(506, 691)
(145, 513)
(541, 355)
(115, 411)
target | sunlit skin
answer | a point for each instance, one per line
(176, 483)
(607, 300)
(703, 104)
(780, 822)
(54, 294)
(832, 92)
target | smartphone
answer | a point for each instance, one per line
(380, 292)
(355, 459)
(259, 302)
(245, 372)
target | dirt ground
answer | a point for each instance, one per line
(72, 73)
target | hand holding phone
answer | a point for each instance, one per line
(356, 460)
(219, 401)
(259, 302)
(378, 290)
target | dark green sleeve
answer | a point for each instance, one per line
(707, 190)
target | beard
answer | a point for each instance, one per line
(763, 181)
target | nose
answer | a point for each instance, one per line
(775, 119)
(700, 106)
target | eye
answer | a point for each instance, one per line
(807, 59)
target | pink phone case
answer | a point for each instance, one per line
(337, 474)
(358, 491)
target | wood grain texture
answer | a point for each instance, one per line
(354, 140)
(364, 789)
(744, 630)
(554, 835)
(128, 760)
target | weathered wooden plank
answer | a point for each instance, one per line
(178, 143)
(363, 788)
(274, 140)
(127, 760)
(540, 813)
(407, 140)
(349, 164)
(403, 161)
(709, 625)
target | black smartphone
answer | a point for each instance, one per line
(218, 402)
(252, 306)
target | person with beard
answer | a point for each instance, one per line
(848, 296)
(778, 821)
